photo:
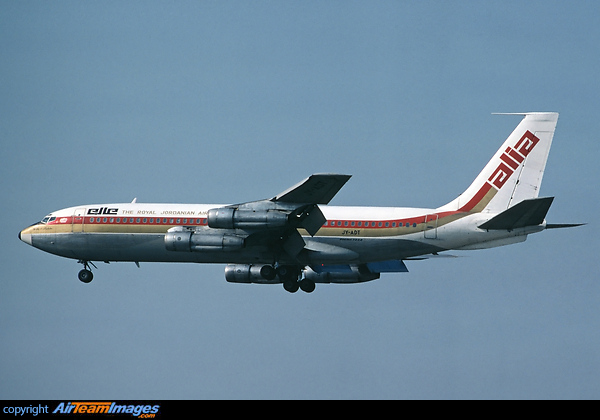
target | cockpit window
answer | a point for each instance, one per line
(48, 219)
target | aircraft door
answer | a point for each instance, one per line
(431, 222)
(77, 220)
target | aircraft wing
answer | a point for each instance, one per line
(316, 189)
(275, 222)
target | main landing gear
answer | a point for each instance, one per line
(290, 276)
(306, 285)
(86, 274)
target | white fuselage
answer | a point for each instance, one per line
(136, 231)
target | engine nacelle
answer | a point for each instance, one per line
(184, 240)
(178, 240)
(245, 273)
(356, 275)
(228, 218)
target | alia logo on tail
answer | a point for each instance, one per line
(512, 158)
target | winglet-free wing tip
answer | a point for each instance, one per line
(316, 189)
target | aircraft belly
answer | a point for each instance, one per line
(151, 247)
(137, 247)
(377, 249)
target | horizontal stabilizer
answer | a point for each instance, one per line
(563, 225)
(530, 212)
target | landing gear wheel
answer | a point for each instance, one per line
(291, 286)
(307, 286)
(85, 276)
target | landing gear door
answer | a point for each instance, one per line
(77, 220)
(431, 222)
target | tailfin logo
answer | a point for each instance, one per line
(512, 158)
(140, 411)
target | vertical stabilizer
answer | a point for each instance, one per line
(515, 172)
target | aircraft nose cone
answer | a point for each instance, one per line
(25, 236)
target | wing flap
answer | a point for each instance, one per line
(391, 266)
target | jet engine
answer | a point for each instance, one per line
(231, 218)
(245, 273)
(177, 239)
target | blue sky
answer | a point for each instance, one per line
(218, 102)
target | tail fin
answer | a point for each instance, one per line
(515, 172)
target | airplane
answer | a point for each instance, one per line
(296, 239)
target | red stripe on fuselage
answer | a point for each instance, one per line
(476, 198)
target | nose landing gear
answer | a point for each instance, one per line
(86, 274)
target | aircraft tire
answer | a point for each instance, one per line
(307, 286)
(85, 276)
(291, 286)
